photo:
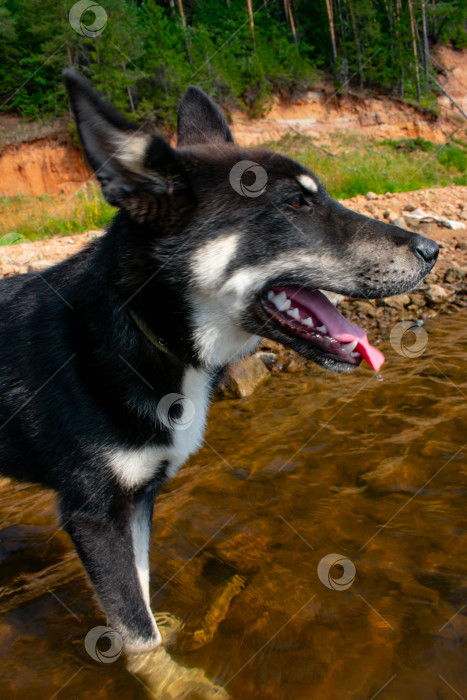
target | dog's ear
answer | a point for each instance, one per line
(132, 166)
(199, 120)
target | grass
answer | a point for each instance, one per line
(360, 165)
(27, 217)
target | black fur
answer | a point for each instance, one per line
(79, 378)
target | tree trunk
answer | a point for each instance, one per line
(388, 5)
(426, 46)
(342, 31)
(414, 47)
(130, 96)
(251, 16)
(450, 97)
(185, 31)
(399, 48)
(357, 43)
(332, 31)
(290, 17)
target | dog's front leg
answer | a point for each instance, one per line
(111, 535)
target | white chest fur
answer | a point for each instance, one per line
(136, 467)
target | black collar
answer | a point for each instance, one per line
(156, 340)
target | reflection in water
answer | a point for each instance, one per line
(311, 465)
(164, 677)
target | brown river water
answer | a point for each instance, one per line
(309, 466)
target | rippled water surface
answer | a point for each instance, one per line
(309, 466)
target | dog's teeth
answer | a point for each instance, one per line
(354, 354)
(281, 297)
(294, 313)
(271, 295)
(322, 329)
(281, 302)
(308, 322)
(349, 347)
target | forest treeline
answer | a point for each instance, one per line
(142, 54)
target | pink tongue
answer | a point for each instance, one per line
(338, 327)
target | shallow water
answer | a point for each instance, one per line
(312, 464)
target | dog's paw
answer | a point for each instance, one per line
(138, 645)
(168, 680)
(169, 626)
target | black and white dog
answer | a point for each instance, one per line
(96, 352)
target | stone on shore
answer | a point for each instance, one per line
(398, 302)
(40, 265)
(436, 293)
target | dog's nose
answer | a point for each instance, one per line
(427, 249)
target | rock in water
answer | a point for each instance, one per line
(243, 377)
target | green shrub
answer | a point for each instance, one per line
(362, 165)
(453, 157)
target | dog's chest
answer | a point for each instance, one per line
(184, 414)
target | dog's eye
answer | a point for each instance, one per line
(298, 201)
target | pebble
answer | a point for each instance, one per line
(295, 365)
(367, 309)
(453, 275)
(398, 301)
(436, 293)
(40, 265)
(454, 225)
(243, 377)
(269, 358)
(334, 298)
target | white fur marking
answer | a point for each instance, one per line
(135, 467)
(211, 261)
(248, 281)
(216, 315)
(140, 536)
(196, 388)
(138, 466)
(130, 149)
(218, 338)
(308, 183)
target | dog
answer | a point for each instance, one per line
(108, 359)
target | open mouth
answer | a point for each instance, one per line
(308, 315)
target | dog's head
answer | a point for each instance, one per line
(239, 241)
